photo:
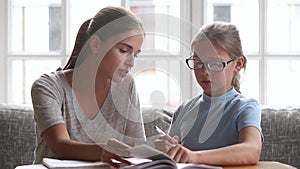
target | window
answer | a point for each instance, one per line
(270, 44)
(54, 28)
(39, 39)
(157, 70)
(34, 44)
(222, 12)
(270, 40)
(283, 37)
(283, 52)
(58, 25)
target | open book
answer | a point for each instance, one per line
(64, 164)
(160, 160)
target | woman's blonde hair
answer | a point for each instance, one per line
(225, 36)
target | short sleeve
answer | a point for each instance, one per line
(249, 115)
(46, 102)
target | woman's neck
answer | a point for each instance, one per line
(85, 79)
(91, 89)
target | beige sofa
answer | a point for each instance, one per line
(281, 128)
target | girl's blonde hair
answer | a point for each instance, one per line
(226, 36)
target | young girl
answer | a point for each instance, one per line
(220, 126)
(93, 99)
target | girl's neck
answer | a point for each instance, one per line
(219, 92)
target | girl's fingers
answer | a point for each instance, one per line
(176, 138)
(163, 145)
(169, 139)
(178, 154)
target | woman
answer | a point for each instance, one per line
(220, 126)
(93, 99)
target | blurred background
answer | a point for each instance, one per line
(37, 37)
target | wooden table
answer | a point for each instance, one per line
(263, 165)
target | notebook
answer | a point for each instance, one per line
(63, 164)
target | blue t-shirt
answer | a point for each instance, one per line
(213, 122)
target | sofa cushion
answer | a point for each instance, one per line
(17, 136)
(281, 129)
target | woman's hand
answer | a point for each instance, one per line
(113, 159)
(114, 151)
(165, 143)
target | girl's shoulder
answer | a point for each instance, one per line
(244, 100)
(241, 103)
(189, 104)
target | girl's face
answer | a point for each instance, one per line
(120, 58)
(213, 83)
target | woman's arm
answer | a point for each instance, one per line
(58, 140)
(246, 152)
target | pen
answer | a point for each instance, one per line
(160, 131)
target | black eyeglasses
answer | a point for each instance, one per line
(215, 66)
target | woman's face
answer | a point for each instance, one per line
(118, 61)
(213, 83)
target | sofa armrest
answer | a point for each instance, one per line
(281, 129)
(17, 138)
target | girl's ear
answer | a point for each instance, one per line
(239, 64)
(95, 43)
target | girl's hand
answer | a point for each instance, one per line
(165, 143)
(180, 154)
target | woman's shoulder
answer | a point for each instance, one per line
(49, 79)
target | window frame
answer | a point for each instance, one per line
(193, 11)
(3, 49)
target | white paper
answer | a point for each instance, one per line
(55, 163)
(37, 166)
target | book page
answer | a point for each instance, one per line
(145, 151)
(196, 166)
(160, 159)
(157, 164)
(36, 166)
(135, 160)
